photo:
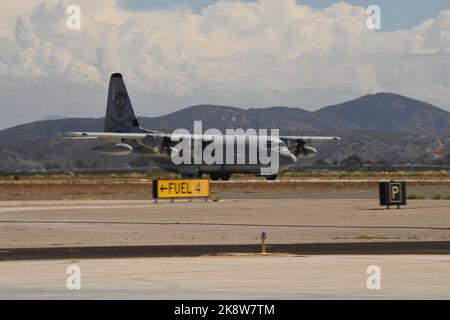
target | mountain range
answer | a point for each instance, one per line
(368, 124)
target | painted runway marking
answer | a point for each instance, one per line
(21, 209)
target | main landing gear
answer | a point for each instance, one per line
(224, 177)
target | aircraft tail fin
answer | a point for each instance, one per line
(120, 115)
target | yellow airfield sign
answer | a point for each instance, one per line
(180, 188)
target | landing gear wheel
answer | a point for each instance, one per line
(226, 177)
(272, 177)
(191, 176)
(214, 177)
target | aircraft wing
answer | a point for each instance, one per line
(118, 136)
(114, 136)
(309, 138)
(110, 136)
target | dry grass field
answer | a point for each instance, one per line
(355, 185)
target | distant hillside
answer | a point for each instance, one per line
(220, 117)
(389, 112)
(382, 112)
(379, 127)
(48, 129)
(224, 117)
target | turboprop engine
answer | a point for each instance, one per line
(114, 149)
(304, 151)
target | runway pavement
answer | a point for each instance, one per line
(231, 277)
(53, 224)
(210, 250)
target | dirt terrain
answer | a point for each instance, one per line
(290, 185)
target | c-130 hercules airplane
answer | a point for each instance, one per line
(123, 135)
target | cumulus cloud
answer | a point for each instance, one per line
(269, 52)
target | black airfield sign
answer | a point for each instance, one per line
(392, 193)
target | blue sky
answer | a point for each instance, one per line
(396, 14)
(274, 54)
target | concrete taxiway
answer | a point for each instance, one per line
(39, 224)
(142, 250)
(231, 277)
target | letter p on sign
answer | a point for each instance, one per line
(395, 192)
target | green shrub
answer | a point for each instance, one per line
(436, 197)
(414, 196)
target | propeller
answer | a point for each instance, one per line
(166, 145)
(303, 150)
(166, 142)
(300, 148)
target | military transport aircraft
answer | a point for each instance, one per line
(123, 135)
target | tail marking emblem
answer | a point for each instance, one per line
(120, 102)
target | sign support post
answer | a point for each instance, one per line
(263, 243)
